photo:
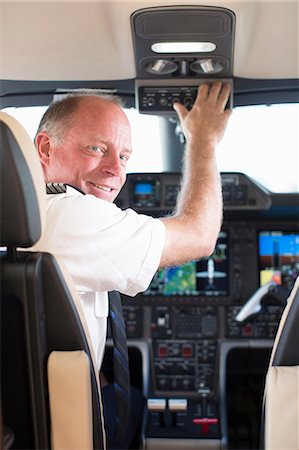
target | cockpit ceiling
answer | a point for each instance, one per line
(92, 40)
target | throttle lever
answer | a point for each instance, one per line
(255, 303)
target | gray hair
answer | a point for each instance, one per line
(58, 117)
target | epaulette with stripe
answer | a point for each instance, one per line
(60, 188)
(56, 188)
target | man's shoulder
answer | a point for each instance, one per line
(63, 198)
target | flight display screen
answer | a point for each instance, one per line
(278, 257)
(205, 277)
(145, 193)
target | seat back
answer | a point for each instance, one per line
(281, 399)
(40, 316)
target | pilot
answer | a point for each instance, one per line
(84, 140)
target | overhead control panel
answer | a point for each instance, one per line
(158, 97)
(176, 49)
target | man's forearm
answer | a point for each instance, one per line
(196, 222)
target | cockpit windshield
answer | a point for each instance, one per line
(256, 139)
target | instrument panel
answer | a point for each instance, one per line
(254, 245)
(187, 316)
(157, 193)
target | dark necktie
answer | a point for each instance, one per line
(120, 365)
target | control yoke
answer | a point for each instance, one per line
(255, 303)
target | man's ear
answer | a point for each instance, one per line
(43, 145)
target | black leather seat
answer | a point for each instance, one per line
(38, 313)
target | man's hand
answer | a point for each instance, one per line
(207, 120)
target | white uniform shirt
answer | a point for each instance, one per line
(105, 249)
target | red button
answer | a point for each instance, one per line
(247, 330)
(205, 423)
(162, 351)
(187, 351)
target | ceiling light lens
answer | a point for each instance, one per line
(161, 67)
(207, 66)
(183, 47)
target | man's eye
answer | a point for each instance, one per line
(124, 158)
(96, 149)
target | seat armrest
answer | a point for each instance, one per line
(70, 400)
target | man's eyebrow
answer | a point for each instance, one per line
(128, 150)
(108, 142)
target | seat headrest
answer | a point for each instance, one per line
(23, 195)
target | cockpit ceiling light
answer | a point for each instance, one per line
(207, 66)
(161, 67)
(183, 47)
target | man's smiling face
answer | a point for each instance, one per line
(94, 151)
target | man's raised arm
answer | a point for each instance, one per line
(192, 231)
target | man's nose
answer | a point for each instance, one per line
(111, 164)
